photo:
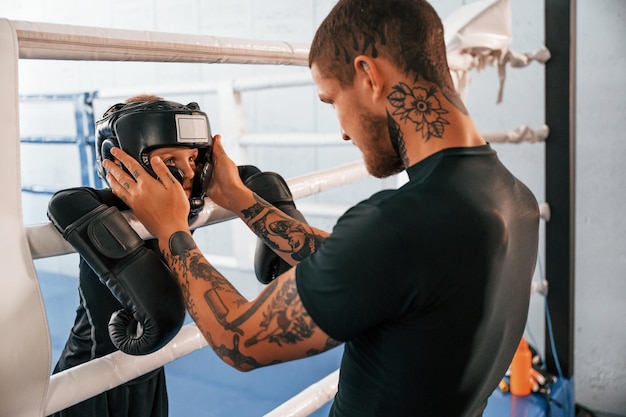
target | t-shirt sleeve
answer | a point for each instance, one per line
(348, 285)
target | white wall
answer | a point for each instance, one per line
(601, 205)
(600, 365)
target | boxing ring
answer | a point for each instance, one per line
(478, 36)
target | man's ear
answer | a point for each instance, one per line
(369, 73)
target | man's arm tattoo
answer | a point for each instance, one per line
(190, 265)
(284, 319)
(281, 232)
(252, 211)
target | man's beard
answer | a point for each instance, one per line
(381, 159)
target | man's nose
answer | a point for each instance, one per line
(344, 136)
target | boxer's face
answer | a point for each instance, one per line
(181, 158)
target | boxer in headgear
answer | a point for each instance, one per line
(128, 299)
(141, 127)
(144, 317)
(152, 310)
(145, 126)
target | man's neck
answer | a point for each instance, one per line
(460, 132)
(430, 119)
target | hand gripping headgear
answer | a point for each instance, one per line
(140, 127)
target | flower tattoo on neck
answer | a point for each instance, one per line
(420, 106)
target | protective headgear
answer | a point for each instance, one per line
(140, 127)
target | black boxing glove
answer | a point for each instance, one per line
(273, 188)
(154, 310)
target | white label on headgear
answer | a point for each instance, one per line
(191, 128)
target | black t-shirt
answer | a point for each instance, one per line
(429, 287)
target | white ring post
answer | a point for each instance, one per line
(25, 347)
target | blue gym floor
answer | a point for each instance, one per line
(199, 384)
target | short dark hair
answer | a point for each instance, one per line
(409, 33)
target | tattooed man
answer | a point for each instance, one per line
(428, 285)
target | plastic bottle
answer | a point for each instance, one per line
(520, 370)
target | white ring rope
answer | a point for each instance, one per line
(519, 134)
(91, 378)
(55, 41)
(45, 241)
(237, 85)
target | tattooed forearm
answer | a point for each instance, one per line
(191, 265)
(252, 211)
(272, 328)
(234, 325)
(193, 270)
(236, 357)
(281, 232)
(330, 343)
(180, 244)
(285, 321)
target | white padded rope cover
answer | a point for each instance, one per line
(56, 41)
(25, 354)
(91, 378)
(45, 241)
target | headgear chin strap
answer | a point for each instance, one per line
(140, 127)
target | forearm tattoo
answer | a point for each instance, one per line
(187, 262)
(252, 211)
(281, 232)
(284, 319)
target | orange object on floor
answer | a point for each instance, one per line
(520, 370)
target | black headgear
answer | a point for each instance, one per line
(140, 127)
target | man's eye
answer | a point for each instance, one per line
(169, 161)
